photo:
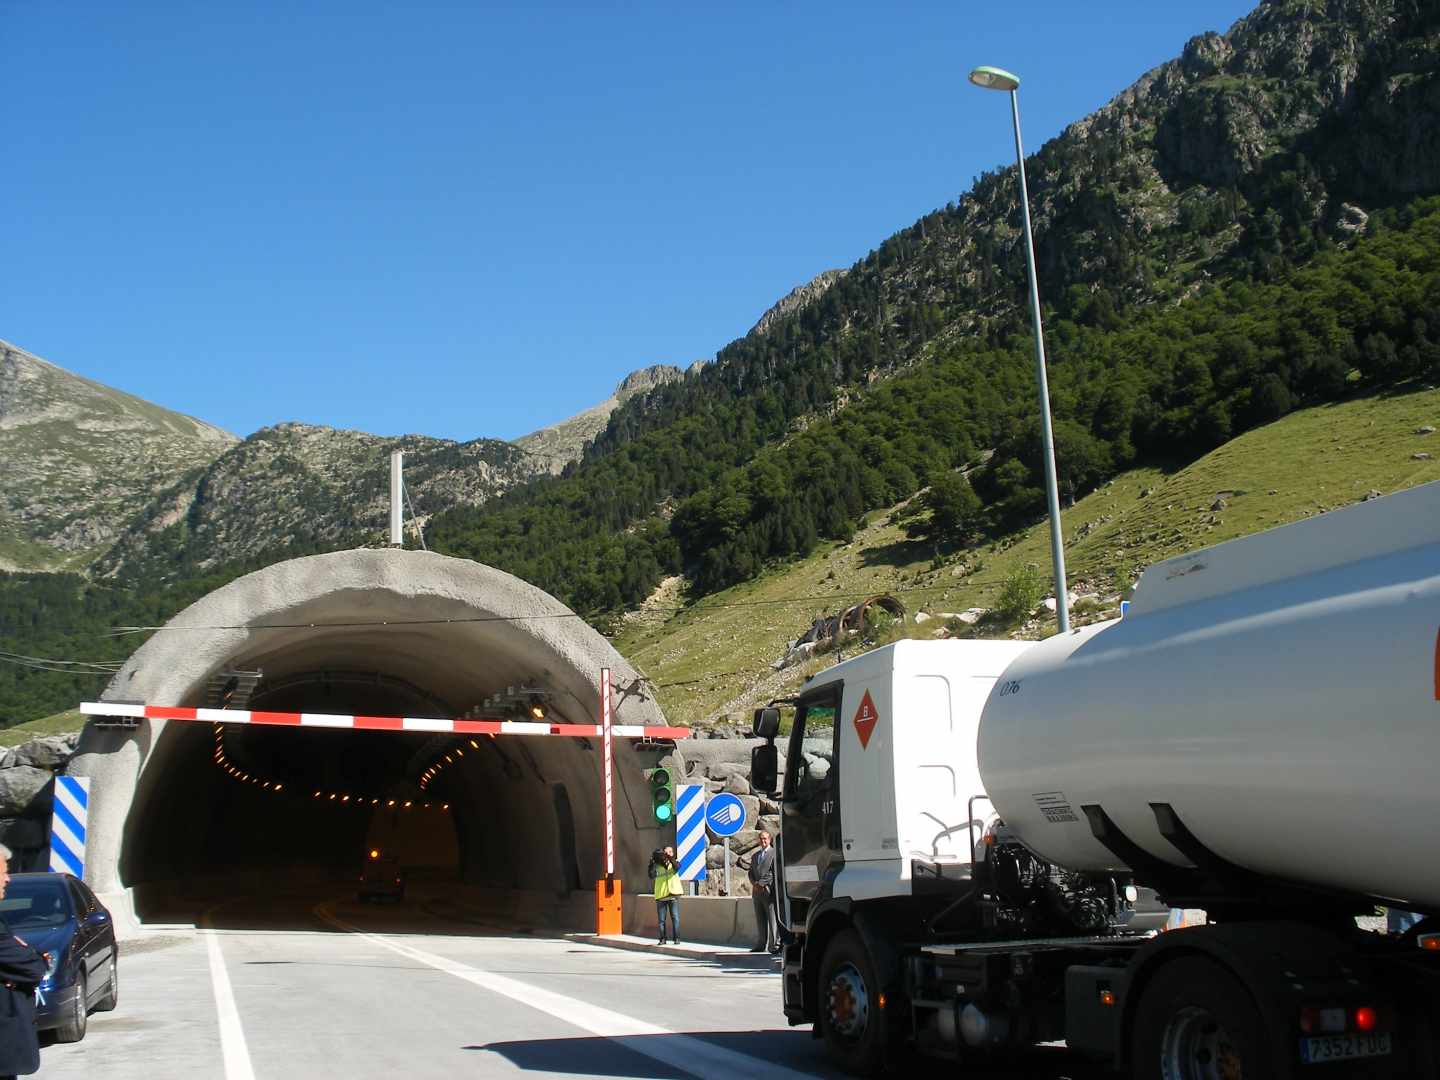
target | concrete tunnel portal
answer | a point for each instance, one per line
(378, 633)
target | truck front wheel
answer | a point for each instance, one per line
(851, 1020)
(1195, 1021)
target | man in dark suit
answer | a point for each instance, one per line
(21, 969)
(762, 895)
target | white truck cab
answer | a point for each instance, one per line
(895, 730)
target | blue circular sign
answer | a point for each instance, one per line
(725, 814)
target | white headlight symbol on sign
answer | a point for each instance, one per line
(727, 814)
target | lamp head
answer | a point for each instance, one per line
(993, 78)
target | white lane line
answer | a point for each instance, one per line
(684, 1052)
(232, 1035)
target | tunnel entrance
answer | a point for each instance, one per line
(373, 634)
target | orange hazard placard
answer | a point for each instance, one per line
(866, 717)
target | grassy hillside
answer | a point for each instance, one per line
(59, 724)
(712, 657)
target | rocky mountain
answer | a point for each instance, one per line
(81, 460)
(300, 487)
(796, 299)
(1249, 152)
(1252, 154)
(1251, 146)
(556, 446)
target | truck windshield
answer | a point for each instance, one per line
(812, 747)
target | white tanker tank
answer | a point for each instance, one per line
(1280, 693)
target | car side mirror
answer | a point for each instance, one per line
(764, 768)
(767, 723)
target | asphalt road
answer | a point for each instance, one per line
(332, 989)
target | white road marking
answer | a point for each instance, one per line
(684, 1052)
(232, 1035)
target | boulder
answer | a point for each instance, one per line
(744, 842)
(737, 785)
(46, 752)
(752, 810)
(1425, 429)
(770, 823)
(24, 787)
(675, 762)
(768, 807)
(23, 832)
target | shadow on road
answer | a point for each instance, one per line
(665, 1056)
(756, 1054)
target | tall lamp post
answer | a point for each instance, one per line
(992, 78)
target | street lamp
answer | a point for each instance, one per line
(993, 78)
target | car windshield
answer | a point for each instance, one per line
(34, 902)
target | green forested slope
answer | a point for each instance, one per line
(1246, 158)
(1163, 385)
(711, 656)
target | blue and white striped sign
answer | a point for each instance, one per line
(690, 843)
(67, 825)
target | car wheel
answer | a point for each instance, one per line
(72, 1028)
(112, 987)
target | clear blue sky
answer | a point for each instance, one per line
(465, 219)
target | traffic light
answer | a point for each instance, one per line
(662, 796)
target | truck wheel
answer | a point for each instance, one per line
(851, 1022)
(1196, 1021)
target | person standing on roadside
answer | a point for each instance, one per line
(21, 969)
(668, 890)
(762, 895)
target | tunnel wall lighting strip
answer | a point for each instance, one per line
(340, 798)
(378, 723)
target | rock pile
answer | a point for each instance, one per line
(27, 773)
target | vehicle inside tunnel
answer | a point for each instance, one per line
(267, 804)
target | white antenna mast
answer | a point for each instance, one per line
(397, 497)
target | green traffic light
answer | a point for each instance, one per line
(662, 798)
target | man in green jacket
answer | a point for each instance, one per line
(668, 890)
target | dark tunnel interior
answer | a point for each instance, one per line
(270, 804)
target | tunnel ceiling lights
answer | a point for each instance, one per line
(342, 798)
(459, 751)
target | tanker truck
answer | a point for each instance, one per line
(966, 824)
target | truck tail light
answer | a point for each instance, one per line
(1338, 1021)
(1429, 942)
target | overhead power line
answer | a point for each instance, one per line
(123, 631)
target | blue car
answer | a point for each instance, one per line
(59, 915)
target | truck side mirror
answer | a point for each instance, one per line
(764, 768)
(767, 723)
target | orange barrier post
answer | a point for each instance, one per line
(607, 907)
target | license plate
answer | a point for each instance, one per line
(1341, 1047)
